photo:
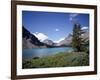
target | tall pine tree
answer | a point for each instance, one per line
(77, 42)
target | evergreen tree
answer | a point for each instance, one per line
(77, 42)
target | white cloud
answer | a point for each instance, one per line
(59, 40)
(40, 36)
(56, 29)
(73, 16)
(36, 32)
(84, 28)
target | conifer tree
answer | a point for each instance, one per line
(77, 42)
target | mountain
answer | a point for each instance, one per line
(29, 40)
(48, 42)
(56, 44)
(67, 41)
(85, 35)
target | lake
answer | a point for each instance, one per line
(40, 52)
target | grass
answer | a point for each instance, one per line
(61, 59)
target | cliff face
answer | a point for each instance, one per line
(29, 40)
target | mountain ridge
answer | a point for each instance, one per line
(31, 41)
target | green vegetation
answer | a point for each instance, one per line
(59, 60)
(78, 43)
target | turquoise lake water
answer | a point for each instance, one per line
(40, 52)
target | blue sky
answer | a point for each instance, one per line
(52, 25)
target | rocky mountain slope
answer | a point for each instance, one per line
(29, 40)
(49, 42)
